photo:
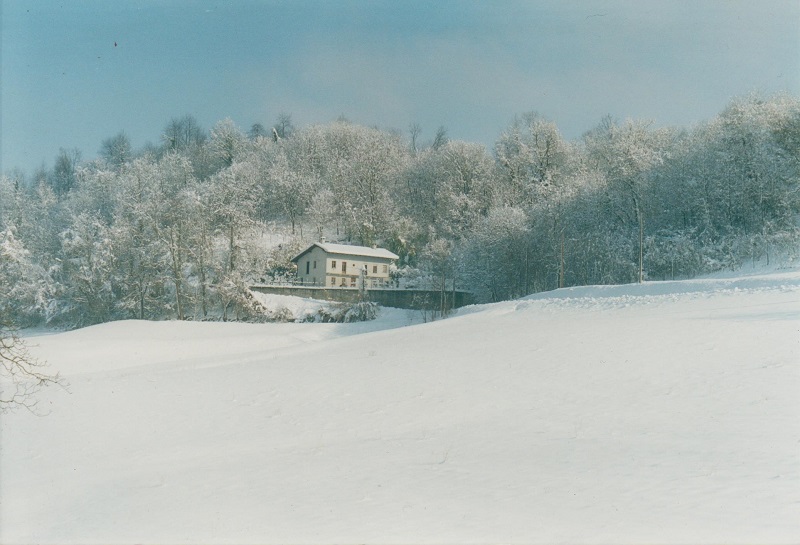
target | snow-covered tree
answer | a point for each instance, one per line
(437, 261)
(289, 190)
(62, 180)
(116, 150)
(87, 272)
(625, 154)
(23, 298)
(531, 156)
(496, 256)
(177, 228)
(227, 142)
(140, 253)
(26, 289)
(449, 189)
(322, 211)
(231, 199)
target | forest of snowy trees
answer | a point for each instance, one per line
(180, 229)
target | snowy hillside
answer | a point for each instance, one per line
(667, 412)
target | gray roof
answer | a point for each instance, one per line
(347, 249)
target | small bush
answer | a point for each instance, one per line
(349, 312)
(309, 318)
(281, 314)
(362, 311)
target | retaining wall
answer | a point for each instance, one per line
(398, 298)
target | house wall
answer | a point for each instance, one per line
(330, 273)
(311, 268)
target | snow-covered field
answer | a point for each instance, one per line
(667, 412)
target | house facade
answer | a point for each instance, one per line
(330, 265)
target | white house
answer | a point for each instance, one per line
(341, 265)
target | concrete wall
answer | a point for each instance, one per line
(413, 299)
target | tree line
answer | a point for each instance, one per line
(180, 229)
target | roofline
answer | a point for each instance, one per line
(311, 247)
(304, 252)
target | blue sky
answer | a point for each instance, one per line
(75, 73)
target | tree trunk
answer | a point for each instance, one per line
(231, 247)
(176, 272)
(561, 269)
(640, 220)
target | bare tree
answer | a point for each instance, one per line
(116, 150)
(257, 130)
(21, 375)
(63, 178)
(283, 126)
(440, 139)
(438, 259)
(182, 134)
(414, 131)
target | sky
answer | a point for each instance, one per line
(76, 73)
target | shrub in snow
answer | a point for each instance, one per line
(362, 311)
(279, 266)
(330, 314)
(238, 302)
(408, 277)
(281, 314)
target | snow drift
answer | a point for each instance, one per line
(665, 412)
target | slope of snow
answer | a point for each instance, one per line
(299, 307)
(667, 412)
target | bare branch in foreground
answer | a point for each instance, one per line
(22, 376)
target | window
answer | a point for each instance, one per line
(333, 281)
(386, 269)
(333, 264)
(344, 266)
(375, 269)
(315, 264)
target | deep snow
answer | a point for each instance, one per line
(667, 412)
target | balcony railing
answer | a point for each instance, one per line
(298, 283)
